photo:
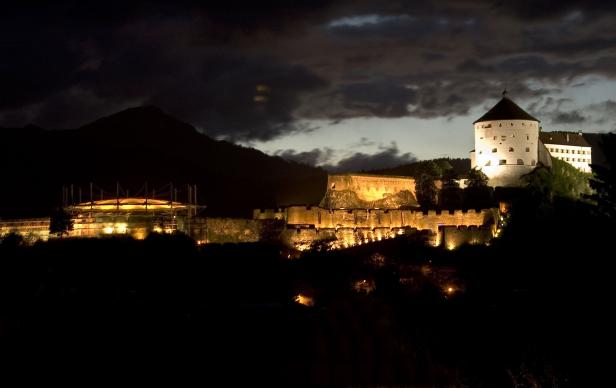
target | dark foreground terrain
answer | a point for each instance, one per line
(532, 309)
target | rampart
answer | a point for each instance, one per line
(319, 218)
(454, 236)
(341, 227)
(236, 230)
(31, 229)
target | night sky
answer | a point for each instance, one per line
(353, 83)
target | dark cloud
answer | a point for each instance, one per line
(363, 142)
(314, 157)
(388, 156)
(381, 99)
(572, 117)
(252, 71)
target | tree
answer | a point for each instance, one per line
(60, 223)
(451, 194)
(478, 195)
(562, 180)
(426, 191)
(604, 180)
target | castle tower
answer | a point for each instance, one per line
(506, 143)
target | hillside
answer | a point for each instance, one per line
(141, 145)
(460, 167)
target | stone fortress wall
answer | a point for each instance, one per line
(342, 228)
(370, 187)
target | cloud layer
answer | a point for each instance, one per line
(251, 73)
(387, 156)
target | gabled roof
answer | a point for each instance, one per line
(505, 109)
(564, 138)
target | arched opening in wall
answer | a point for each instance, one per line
(510, 149)
(520, 162)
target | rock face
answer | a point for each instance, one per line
(353, 191)
(347, 199)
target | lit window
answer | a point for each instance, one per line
(502, 161)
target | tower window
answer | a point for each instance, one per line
(527, 149)
(532, 162)
(510, 149)
(520, 162)
(489, 163)
(493, 149)
(502, 161)
(494, 137)
(527, 137)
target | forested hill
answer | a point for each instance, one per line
(141, 145)
(459, 166)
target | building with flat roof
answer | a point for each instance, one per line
(570, 147)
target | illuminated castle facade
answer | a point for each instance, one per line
(507, 144)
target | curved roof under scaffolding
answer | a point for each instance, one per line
(128, 205)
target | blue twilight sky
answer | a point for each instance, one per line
(348, 85)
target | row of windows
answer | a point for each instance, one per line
(504, 137)
(511, 149)
(501, 124)
(519, 162)
(573, 159)
(581, 152)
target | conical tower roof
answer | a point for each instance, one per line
(505, 109)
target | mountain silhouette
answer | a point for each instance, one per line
(145, 144)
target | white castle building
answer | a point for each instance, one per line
(570, 147)
(507, 144)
